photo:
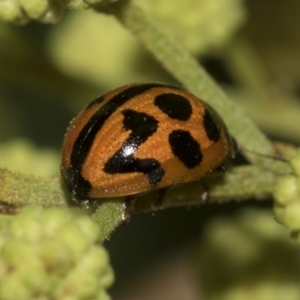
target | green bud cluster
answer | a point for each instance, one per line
(45, 11)
(287, 199)
(52, 254)
(23, 11)
(86, 4)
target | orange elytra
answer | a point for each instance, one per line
(141, 137)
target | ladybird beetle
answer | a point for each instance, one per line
(141, 137)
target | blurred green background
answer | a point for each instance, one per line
(49, 72)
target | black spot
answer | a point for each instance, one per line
(175, 106)
(142, 126)
(211, 128)
(186, 148)
(148, 166)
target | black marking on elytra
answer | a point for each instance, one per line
(142, 126)
(75, 182)
(186, 148)
(95, 102)
(175, 106)
(211, 128)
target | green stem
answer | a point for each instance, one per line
(240, 183)
(18, 190)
